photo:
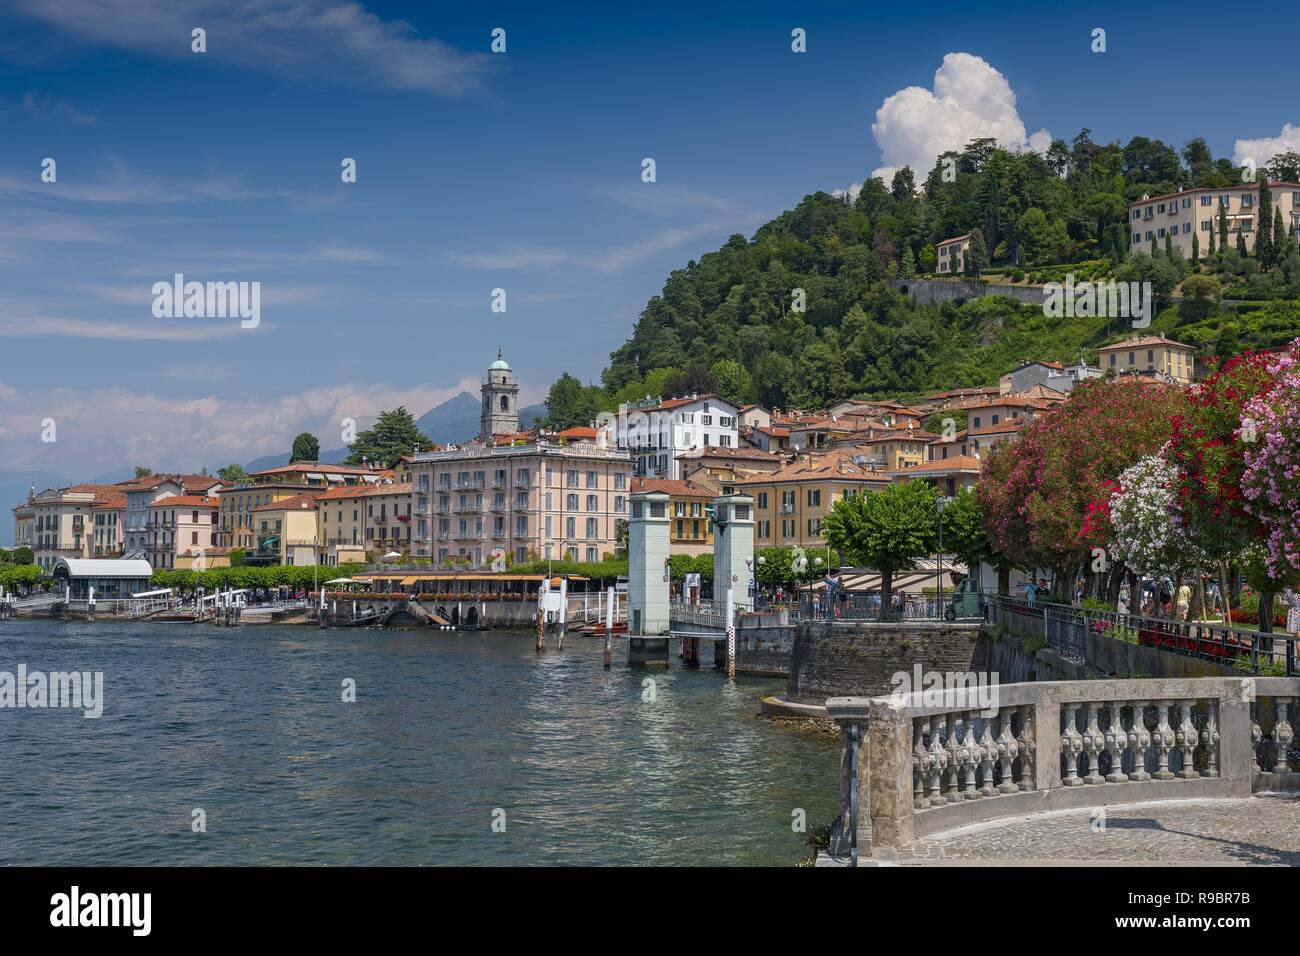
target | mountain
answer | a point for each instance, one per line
(329, 456)
(457, 419)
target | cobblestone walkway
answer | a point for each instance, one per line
(1262, 830)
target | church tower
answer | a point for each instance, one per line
(500, 413)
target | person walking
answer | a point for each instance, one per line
(1182, 601)
(1030, 591)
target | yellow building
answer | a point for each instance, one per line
(285, 531)
(1152, 355)
(894, 449)
(364, 522)
(690, 512)
(235, 525)
(791, 504)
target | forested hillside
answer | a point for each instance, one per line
(731, 322)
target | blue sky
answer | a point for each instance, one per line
(475, 171)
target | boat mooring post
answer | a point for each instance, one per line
(609, 627)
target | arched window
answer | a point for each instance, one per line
(505, 403)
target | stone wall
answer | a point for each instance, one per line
(765, 650)
(931, 291)
(859, 660)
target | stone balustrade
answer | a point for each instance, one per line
(934, 760)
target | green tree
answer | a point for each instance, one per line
(1223, 228)
(23, 555)
(977, 256)
(1196, 248)
(305, 448)
(143, 471)
(1264, 250)
(1201, 295)
(571, 404)
(963, 536)
(734, 383)
(394, 434)
(885, 530)
(233, 474)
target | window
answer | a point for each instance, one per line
(591, 479)
(571, 502)
(814, 497)
(591, 527)
(762, 499)
(593, 502)
(1207, 200)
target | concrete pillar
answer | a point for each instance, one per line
(733, 550)
(647, 583)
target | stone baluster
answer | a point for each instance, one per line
(956, 758)
(1256, 738)
(1210, 738)
(989, 751)
(1282, 737)
(1094, 744)
(1163, 738)
(1007, 751)
(938, 759)
(1071, 747)
(1026, 745)
(972, 758)
(1187, 739)
(920, 763)
(1139, 741)
(1116, 743)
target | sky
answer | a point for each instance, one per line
(477, 171)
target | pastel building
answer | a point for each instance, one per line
(657, 431)
(1195, 212)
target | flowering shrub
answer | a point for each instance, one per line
(1148, 534)
(1270, 481)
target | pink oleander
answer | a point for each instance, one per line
(1270, 483)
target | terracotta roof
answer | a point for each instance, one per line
(947, 242)
(186, 501)
(365, 491)
(720, 451)
(832, 466)
(1144, 341)
(580, 431)
(315, 466)
(955, 463)
(681, 488)
(110, 502)
(297, 502)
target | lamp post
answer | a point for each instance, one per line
(941, 503)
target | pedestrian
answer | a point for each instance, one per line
(1182, 601)
(1030, 591)
(1122, 607)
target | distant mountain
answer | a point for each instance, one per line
(330, 456)
(457, 419)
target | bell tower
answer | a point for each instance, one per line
(500, 412)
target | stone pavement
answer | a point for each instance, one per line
(1260, 830)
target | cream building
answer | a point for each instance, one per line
(544, 497)
(952, 255)
(1195, 212)
(361, 523)
(1152, 355)
(63, 522)
(791, 504)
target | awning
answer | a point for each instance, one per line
(316, 475)
(406, 581)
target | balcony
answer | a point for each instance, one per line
(468, 507)
(442, 535)
(787, 509)
(521, 506)
(379, 519)
(472, 484)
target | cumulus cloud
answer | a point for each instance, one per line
(104, 428)
(1261, 150)
(970, 100)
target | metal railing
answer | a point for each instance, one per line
(867, 606)
(1066, 629)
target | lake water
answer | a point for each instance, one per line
(448, 730)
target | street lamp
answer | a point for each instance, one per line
(941, 503)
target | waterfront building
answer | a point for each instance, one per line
(360, 523)
(109, 524)
(1195, 212)
(500, 401)
(111, 578)
(657, 431)
(25, 522)
(1151, 355)
(690, 511)
(284, 531)
(182, 529)
(63, 521)
(542, 497)
(143, 492)
(236, 527)
(790, 504)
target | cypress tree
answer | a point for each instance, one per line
(1223, 227)
(1169, 245)
(1280, 244)
(1196, 249)
(1211, 242)
(1155, 250)
(1241, 244)
(1264, 251)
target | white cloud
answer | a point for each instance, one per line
(970, 100)
(1261, 150)
(308, 38)
(105, 428)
